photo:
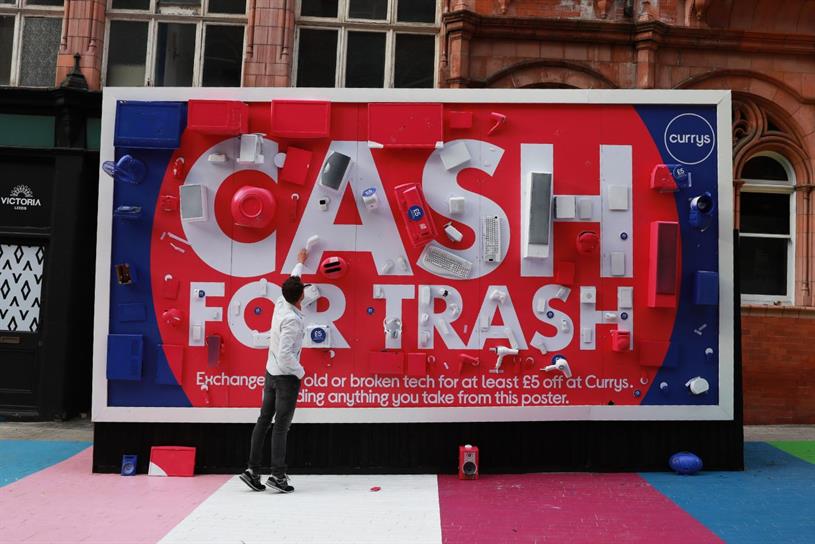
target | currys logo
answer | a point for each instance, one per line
(689, 138)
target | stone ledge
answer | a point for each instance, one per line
(769, 310)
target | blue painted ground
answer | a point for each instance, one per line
(772, 501)
(19, 458)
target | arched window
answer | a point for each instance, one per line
(767, 227)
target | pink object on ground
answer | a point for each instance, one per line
(375, 488)
(66, 503)
(563, 508)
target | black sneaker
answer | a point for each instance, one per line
(280, 483)
(252, 480)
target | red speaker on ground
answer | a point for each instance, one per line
(467, 462)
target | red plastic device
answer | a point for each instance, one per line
(333, 268)
(415, 213)
(301, 118)
(664, 267)
(587, 242)
(295, 169)
(172, 317)
(224, 117)
(406, 125)
(620, 340)
(253, 207)
(467, 462)
(460, 119)
(169, 203)
(662, 179)
(171, 461)
(169, 287)
(386, 363)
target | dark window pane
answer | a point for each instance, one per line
(415, 56)
(317, 58)
(416, 11)
(319, 8)
(39, 55)
(131, 4)
(227, 6)
(175, 53)
(365, 59)
(765, 213)
(763, 265)
(368, 9)
(6, 39)
(223, 54)
(45, 2)
(764, 168)
(126, 53)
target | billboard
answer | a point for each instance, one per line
(476, 255)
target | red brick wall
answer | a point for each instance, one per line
(84, 33)
(778, 357)
(270, 39)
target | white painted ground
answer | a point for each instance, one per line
(322, 509)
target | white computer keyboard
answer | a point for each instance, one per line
(491, 238)
(444, 263)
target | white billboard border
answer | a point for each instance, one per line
(724, 411)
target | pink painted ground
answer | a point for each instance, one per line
(573, 507)
(66, 502)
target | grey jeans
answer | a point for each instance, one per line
(279, 401)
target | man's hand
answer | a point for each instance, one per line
(302, 256)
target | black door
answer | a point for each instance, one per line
(22, 263)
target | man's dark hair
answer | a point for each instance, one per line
(292, 289)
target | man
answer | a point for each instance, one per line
(283, 375)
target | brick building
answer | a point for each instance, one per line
(764, 50)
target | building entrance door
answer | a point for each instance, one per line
(21, 278)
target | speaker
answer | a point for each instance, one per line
(467, 462)
(129, 463)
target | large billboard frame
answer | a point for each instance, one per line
(723, 411)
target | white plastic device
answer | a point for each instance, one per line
(310, 295)
(698, 385)
(444, 263)
(454, 155)
(498, 295)
(455, 205)
(193, 202)
(251, 149)
(617, 198)
(537, 221)
(317, 336)
(565, 207)
(312, 241)
(560, 364)
(370, 199)
(453, 233)
(501, 352)
(491, 238)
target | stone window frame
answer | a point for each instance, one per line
(344, 24)
(20, 10)
(774, 187)
(155, 15)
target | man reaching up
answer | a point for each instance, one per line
(283, 375)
